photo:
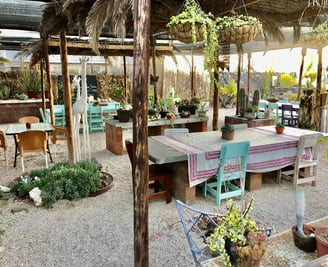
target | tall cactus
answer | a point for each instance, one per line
(242, 101)
(256, 98)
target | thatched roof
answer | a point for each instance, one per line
(49, 18)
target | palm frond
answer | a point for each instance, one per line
(3, 59)
(98, 14)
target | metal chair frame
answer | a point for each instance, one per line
(190, 218)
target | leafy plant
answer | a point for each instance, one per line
(236, 20)
(32, 80)
(250, 109)
(287, 80)
(279, 125)
(62, 180)
(228, 128)
(5, 90)
(235, 226)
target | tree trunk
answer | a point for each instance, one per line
(215, 121)
(140, 171)
(317, 107)
(67, 98)
(51, 92)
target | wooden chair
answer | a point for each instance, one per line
(305, 166)
(157, 173)
(30, 119)
(59, 112)
(59, 134)
(231, 174)
(32, 141)
(4, 145)
(288, 115)
(192, 220)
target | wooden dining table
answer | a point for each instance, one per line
(16, 128)
(194, 157)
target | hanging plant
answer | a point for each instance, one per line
(238, 29)
(191, 24)
(318, 37)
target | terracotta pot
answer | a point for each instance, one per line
(279, 130)
(321, 237)
(228, 135)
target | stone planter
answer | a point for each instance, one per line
(250, 115)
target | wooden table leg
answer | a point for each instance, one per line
(180, 182)
(114, 139)
(253, 181)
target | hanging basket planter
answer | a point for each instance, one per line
(241, 35)
(318, 37)
(238, 29)
(184, 32)
(191, 24)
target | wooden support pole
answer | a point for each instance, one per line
(215, 121)
(67, 99)
(153, 46)
(51, 90)
(140, 169)
(44, 104)
(317, 105)
(249, 73)
(301, 74)
(238, 76)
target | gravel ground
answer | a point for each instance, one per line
(99, 231)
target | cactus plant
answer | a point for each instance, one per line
(242, 100)
(256, 98)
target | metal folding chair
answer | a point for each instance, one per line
(196, 225)
(231, 174)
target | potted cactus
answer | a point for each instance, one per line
(228, 131)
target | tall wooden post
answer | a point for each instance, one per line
(124, 71)
(193, 75)
(215, 120)
(249, 73)
(153, 46)
(238, 76)
(44, 104)
(140, 171)
(301, 74)
(67, 98)
(51, 92)
(317, 105)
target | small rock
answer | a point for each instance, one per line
(4, 189)
(35, 195)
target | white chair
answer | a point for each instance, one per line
(305, 166)
(176, 131)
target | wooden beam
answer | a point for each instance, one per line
(228, 7)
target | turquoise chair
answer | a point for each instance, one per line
(275, 114)
(59, 111)
(45, 118)
(232, 166)
(261, 108)
(95, 118)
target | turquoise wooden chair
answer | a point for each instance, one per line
(261, 108)
(45, 118)
(95, 118)
(59, 111)
(231, 174)
(274, 107)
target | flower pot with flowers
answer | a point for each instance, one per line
(238, 239)
(250, 112)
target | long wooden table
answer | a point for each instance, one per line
(269, 151)
(114, 129)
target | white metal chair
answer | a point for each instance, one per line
(196, 224)
(307, 157)
(32, 141)
(176, 131)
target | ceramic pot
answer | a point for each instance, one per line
(228, 135)
(123, 115)
(321, 237)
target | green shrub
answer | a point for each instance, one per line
(62, 180)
